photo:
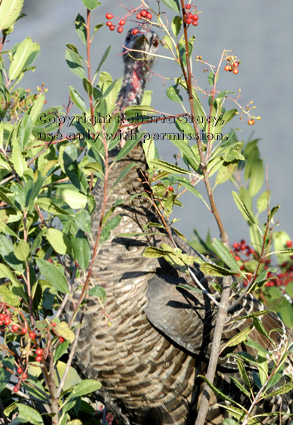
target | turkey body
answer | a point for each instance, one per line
(150, 339)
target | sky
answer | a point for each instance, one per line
(259, 32)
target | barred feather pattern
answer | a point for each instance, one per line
(149, 340)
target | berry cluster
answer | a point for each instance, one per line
(143, 14)
(16, 326)
(190, 18)
(232, 66)
(244, 253)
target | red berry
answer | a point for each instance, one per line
(135, 31)
(14, 328)
(235, 245)
(149, 16)
(7, 321)
(235, 71)
(24, 330)
(122, 22)
(39, 351)
(187, 6)
(189, 21)
(189, 15)
(24, 376)
(61, 339)
(143, 13)
(32, 335)
(39, 358)
(289, 244)
(236, 64)
(109, 24)
(109, 16)
(111, 28)
(195, 17)
(251, 122)
(1, 322)
(15, 389)
(237, 258)
(138, 16)
(195, 23)
(19, 370)
(54, 324)
(2, 316)
(120, 29)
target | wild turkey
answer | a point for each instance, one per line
(160, 335)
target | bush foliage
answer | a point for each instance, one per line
(46, 183)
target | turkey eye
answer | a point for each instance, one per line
(155, 43)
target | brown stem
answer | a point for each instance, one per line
(88, 52)
(95, 250)
(50, 382)
(224, 303)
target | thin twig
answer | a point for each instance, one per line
(224, 302)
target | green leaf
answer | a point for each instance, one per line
(104, 58)
(98, 291)
(64, 330)
(7, 273)
(9, 12)
(228, 115)
(56, 239)
(28, 414)
(225, 255)
(263, 202)
(77, 99)
(83, 221)
(230, 422)
(217, 391)
(238, 338)
(8, 297)
(273, 211)
(172, 4)
(176, 25)
(75, 63)
(248, 215)
(21, 250)
(240, 386)
(186, 183)
(53, 274)
(48, 205)
(82, 251)
(108, 227)
(87, 86)
(283, 390)
(37, 108)
(91, 4)
(173, 94)
(257, 177)
(225, 173)
(129, 145)
(25, 54)
(123, 173)
(166, 166)
(73, 198)
(18, 160)
(86, 386)
(80, 28)
(214, 270)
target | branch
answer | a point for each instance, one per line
(224, 302)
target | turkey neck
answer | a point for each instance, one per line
(134, 209)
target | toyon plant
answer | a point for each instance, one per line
(107, 315)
